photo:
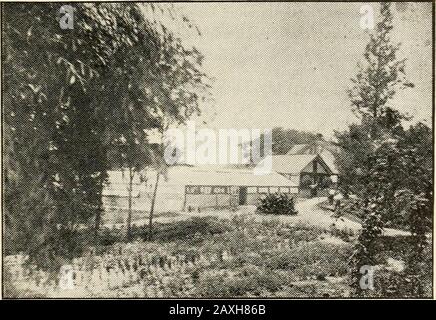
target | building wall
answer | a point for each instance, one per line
(305, 193)
(253, 198)
(165, 202)
(173, 199)
(207, 200)
(220, 200)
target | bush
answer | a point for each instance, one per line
(277, 204)
(196, 227)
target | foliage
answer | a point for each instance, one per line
(387, 167)
(377, 81)
(73, 100)
(189, 229)
(250, 280)
(313, 259)
(266, 259)
(285, 139)
(11, 291)
(186, 230)
(276, 203)
(390, 283)
(52, 185)
(373, 88)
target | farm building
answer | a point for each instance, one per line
(309, 171)
(187, 187)
(323, 148)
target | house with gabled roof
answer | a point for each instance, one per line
(323, 148)
(309, 171)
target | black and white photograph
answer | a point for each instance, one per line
(217, 150)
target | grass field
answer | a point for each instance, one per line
(238, 257)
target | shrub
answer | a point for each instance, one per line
(108, 237)
(277, 203)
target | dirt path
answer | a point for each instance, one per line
(308, 212)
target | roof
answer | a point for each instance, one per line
(225, 177)
(323, 148)
(292, 164)
(234, 177)
(213, 176)
(298, 149)
(318, 146)
(329, 160)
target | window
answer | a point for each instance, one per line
(234, 190)
(219, 190)
(113, 202)
(252, 190)
(273, 189)
(206, 190)
(192, 189)
(263, 189)
(284, 189)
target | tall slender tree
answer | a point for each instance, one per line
(365, 163)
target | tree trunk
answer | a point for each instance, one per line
(150, 219)
(97, 224)
(129, 215)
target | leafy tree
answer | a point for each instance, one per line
(378, 79)
(285, 139)
(373, 89)
(54, 143)
(378, 157)
(157, 84)
(70, 98)
(415, 198)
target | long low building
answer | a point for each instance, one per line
(187, 188)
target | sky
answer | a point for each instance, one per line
(289, 64)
